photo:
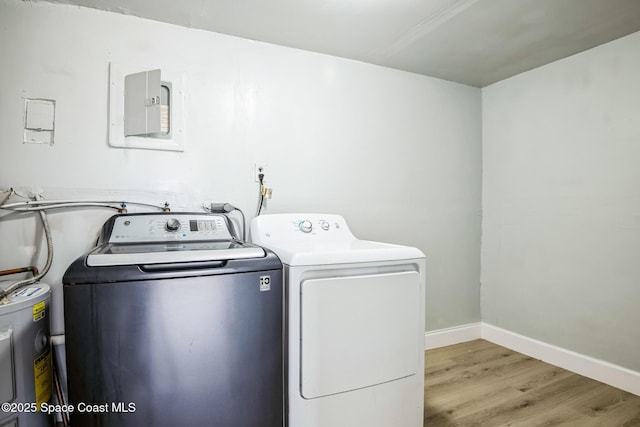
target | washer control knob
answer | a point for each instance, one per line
(172, 225)
(305, 226)
(324, 225)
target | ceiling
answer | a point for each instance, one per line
(475, 42)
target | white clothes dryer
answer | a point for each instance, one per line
(354, 323)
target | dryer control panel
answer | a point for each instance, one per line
(326, 224)
(299, 227)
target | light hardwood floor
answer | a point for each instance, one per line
(482, 384)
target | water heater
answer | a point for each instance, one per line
(25, 357)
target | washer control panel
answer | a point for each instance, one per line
(169, 227)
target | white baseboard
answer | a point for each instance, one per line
(608, 373)
(599, 370)
(450, 336)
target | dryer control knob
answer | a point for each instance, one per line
(305, 226)
(172, 225)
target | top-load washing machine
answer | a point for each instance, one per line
(354, 323)
(173, 321)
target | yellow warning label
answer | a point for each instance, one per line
(39, 311)
(42, 377)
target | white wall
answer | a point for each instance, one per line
(561, 203)
(397, 154)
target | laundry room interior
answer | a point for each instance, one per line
(522, 191)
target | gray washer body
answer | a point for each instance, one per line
(188, 344)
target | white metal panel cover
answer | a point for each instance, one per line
(359, 331)
(142, 103)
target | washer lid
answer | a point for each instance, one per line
(171, 252)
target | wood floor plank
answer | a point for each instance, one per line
(482, 384)
(610, 403)
(529, 405)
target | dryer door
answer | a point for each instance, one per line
(359, 331)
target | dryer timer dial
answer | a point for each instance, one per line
(305, 226)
